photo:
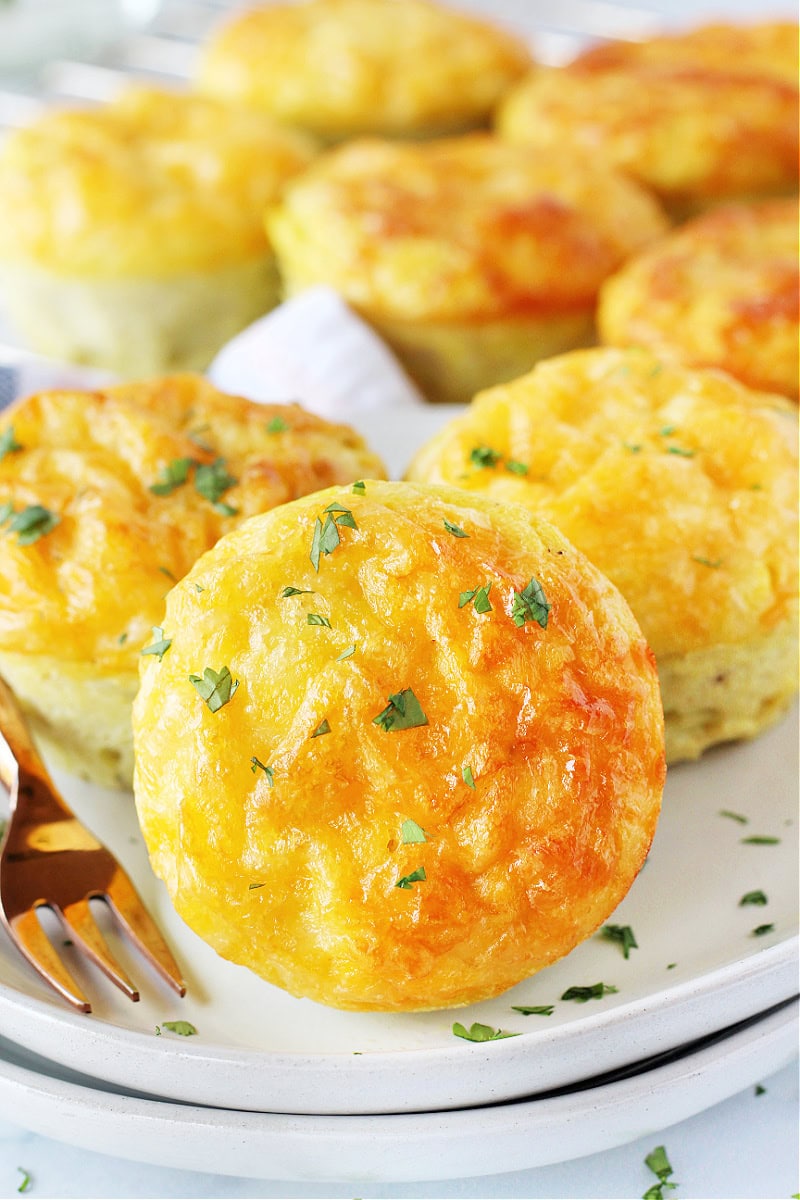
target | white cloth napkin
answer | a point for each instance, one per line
(312, 349)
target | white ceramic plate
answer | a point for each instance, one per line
(698, 968)
(374, 1149)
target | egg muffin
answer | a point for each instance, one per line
(415, 747)
(698, 130)
(106, 499)
(679, 484)
(473, 258)
(343, 68)
(132, 235)
(722, 291)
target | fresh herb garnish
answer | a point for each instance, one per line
(160, 644)
(293, 591)
(166, 571)
(173, 476)
(622, 934)
(534, 1010)
(8, 443)
(484, 456)
(633, 447)
(184, 1028)
(682, 451)
(733, 816)
(530, 605)
(760, 1090)
(759, 840)
(667, 431)
(253, 887)
(257, 765)
(402, 712)
(216, 687)
(26, 1180)
(211, 481)
(360, 488)
(406, 881)
(326, 536)
(479, 598)
(30, 523)
(321, 729)
(659, 1164)
(706, 562)
(760, 930)
(277, 425)
(316, 619)
(468, 777)
(594, 991)
(517, 468)
(411, 832)
(757, 897)
(480, 1033)
(456, 530)
(346, 653)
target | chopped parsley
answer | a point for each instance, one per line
(760, 1090)
(321, 729)
(622, 934)
(406, 881)
(706, 562)
(633, 447)
(480, 1033)
(468, 777)
(30, 523)
(595, 991)
(759, 840)
(659, 1164)
(122, 639)
(26, 1181)
(253, 887)
(479, 598)
(402, 712)
(184, 1028)
(346, 653)
(216, 687)
(293, 591)
(534, 1010)
(760, 930)
(484, 456)
(173, 476)
(456, 530)
(316, 619)
(682, 451)
(277, 425)
(326, 535)
(360, 488)
(8, 443)
(166, 571)
(257, 765)
(160, 644)
(211, 481)
(733, 816)
(411, 832)
(667, 431)
(530, 605)
(517, 468)
(753, 898)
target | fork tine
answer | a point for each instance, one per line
(135, 919)
(34, 943)
(78, 917)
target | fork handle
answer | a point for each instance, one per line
(18, 754)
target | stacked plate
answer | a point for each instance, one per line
(271, 1086)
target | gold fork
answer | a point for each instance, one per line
(48, 859)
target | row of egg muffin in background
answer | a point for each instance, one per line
(141, 235)
(398, 745)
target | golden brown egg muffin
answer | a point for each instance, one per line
(763, 49)
(343, 68)
(106, 499)
(722, 291)
(681, 486)
(132, 235)
(414, 743)
(697, 134)
(473, 258)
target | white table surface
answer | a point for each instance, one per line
(746, 1147)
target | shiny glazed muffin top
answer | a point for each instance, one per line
(153, 184)
(721, 291)
(680, 484)
(464, 228)
(108, 498)
(345, 67)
